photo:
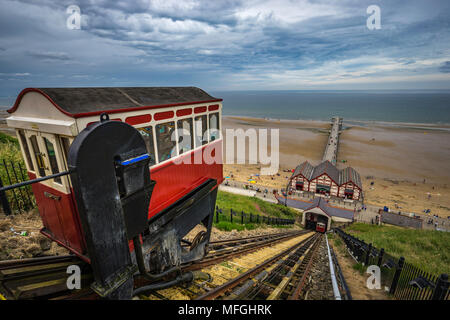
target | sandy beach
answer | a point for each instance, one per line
(408, 163)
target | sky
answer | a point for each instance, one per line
(225, 45)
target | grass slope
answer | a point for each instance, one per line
(428, 250)
(253, 205)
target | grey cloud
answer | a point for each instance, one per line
(445, 67)
(48, 55)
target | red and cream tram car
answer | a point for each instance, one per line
(321, 227)
(48, 119)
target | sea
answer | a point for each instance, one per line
(404, 106)
(408, 106)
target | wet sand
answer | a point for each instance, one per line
(308, 136)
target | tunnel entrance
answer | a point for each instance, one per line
(312, 219)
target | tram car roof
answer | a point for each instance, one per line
(84, 102)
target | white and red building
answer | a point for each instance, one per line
(326, 179)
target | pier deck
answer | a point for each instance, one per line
(331, 149)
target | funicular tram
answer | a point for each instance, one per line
(178, 124)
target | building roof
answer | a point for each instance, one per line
(78, 102)
(318, 202)
(328, 168)
(339, 176)
(350, 175)
(305, 169)
(330, 210)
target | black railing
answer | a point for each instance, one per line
(17, 199)
(403, 280)
(246, 218)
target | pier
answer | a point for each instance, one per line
(331, 149)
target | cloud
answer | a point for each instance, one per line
(48, 55)
(251, 44)
(17, 74)
(445, 67)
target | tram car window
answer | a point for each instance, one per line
(201, 126)
(52, 158)
(214, 126)
(38, 155)
(147, 134)
(26, 150)
(185, 135)
(165, 140)
(65, 143)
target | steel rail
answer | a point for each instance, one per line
(246, 275)
(287, 279)
(283, 264)
(296, 293)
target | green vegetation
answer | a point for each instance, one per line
(228, 226)
(255, 206)
(359, 267)
(425, 249)
(10, 154)
(9, 148)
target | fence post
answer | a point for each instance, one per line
(366, 262)
(231, 215)
(398, 271)
(217, 214)
(380, 257)
(242, 217)
(441, 289)
(27, 190)
(251, 217)
(10, 182)
(4, 200)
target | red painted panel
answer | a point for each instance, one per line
(213, 107)
(184, 112)
(176, 180)
(143, 118)
(173, 181)
(200, 109)
(59, 217)
(163, 115)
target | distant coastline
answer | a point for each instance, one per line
(350, 123)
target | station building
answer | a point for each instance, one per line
(318, 211)
(326, 179)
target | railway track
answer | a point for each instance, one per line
(280, 275)
(45, 277)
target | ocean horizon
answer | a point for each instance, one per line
(424, 106)
(391, 106)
